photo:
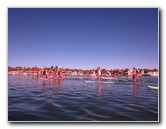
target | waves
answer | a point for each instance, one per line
(31, 99)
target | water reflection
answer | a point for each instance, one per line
(43, 84)
(59, 82)
(58, 89)
(53, 83)
(48, 96)
(98, 91)
(50, 81)
(134, 89)
(135, 103)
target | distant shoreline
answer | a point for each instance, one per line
(67, 71)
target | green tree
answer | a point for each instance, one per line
(56, 67)
(52, 67)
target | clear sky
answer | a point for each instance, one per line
(83, 37)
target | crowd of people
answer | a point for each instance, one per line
(97, 73)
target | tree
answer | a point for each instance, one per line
(56, 67)
(52, 67)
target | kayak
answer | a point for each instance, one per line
(91, 81)
(122, 80)
(153, 87)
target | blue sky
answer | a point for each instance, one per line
(83, 37)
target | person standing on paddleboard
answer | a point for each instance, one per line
(55, 73)
(87, 74)
(60, 73)
(134, 74)
(99, 73)
(44, 74)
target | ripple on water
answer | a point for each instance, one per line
(30, 99)
(92, 113)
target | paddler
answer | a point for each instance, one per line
(87, 74)
(99, 73)
(55, 73)
(134, 74)
(60, 73)
(44, 74)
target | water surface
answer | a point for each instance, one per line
(33, 99)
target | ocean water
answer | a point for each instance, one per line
(74, 100)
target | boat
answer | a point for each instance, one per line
(154, 74)
(74, 73)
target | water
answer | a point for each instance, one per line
(32, 99)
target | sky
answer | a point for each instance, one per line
(85, 38)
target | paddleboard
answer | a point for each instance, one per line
(106, 78)
(153, 87)
(62, 78)
(90, 81)
(80, 78)
(53, 78)
(120, 80)
(44, 79)
(125, 77)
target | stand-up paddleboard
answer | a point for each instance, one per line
(122, 80)
(44, 79)
(91, 81)
(125, 77)
(80, 78)
(153, 87)
(106, 78)
(53, 78)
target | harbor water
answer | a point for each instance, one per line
(74, 100)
